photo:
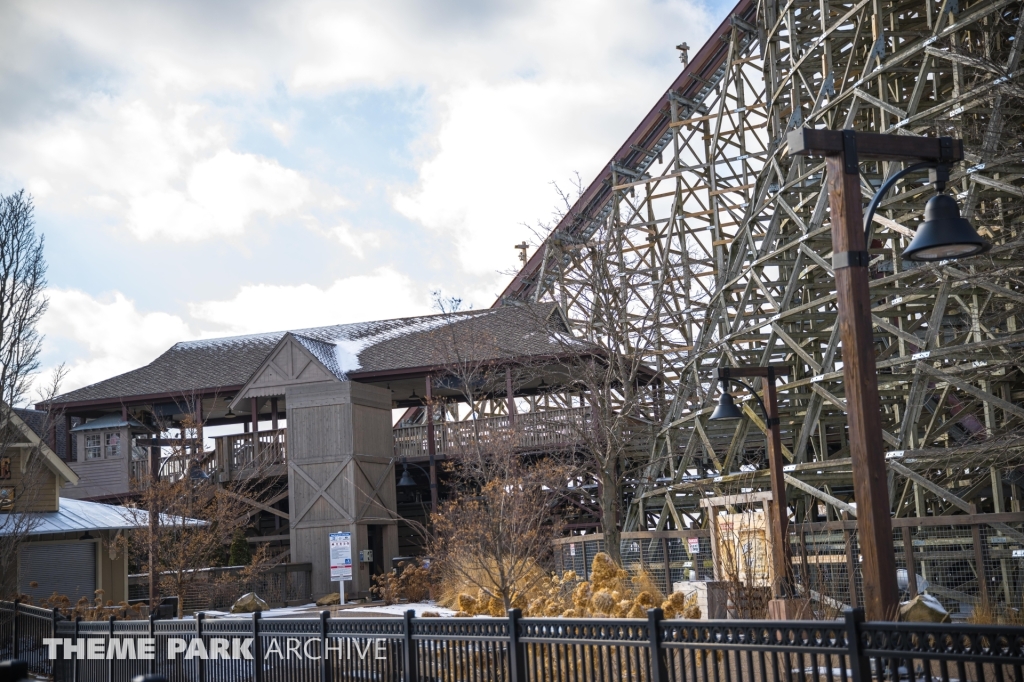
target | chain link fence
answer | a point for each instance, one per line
(975, 570)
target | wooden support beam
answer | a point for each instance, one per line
(258, 505)
(274, 500)
(743, 498)
(821, 495)
(948, 496)
(967, 387)
(821, 142)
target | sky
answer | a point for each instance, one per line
(204, 169)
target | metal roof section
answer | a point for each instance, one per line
(78, 516)
(110, 421)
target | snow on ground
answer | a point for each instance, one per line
(313, 611)
(397, 610)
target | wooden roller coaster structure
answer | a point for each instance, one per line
(722, 240)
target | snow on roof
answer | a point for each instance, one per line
(381, 345)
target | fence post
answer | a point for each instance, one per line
(659, 668)
(152, 637)
(859, 665)
(516, 650)
(110, 642)
(410, 664)
(74, 652)
(54, 619)
(979, 561)
(199, 636)
(257, 648)
(14, 630)
(324, 665)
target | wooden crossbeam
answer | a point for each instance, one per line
(821, 495)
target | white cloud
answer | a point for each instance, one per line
(221, 194)
(262, 307)
(357, 241)
(170, 173)
(151, 116)
(112, 334)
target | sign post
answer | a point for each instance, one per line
(341, 561)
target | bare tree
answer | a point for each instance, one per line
(193, 518)
(22, 304)
(495, 533)
(608, 294)
(22, 299)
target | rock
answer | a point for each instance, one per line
(924, 608)
(249, 603)
(332, 599)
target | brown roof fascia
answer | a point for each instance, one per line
(654, 124)
(416, 372)
(131, 400)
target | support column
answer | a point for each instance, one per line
(199, 425)
(341, 477)
(68, 442)
(510, 398)
(154, 520)
(781, 555)
(867, 456)
(254, 406)
(431, 445)
(273, 413)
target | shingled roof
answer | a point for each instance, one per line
(356, 350)
(187, 366)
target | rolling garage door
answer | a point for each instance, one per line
(69, 568)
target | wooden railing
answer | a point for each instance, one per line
(172, 468)
(541, 429)
(237, 456)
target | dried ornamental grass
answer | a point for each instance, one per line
(612, 592)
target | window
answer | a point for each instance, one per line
(112, 444)
(92, 446)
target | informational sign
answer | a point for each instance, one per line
(694, 544)
(341, 556)
(572, 549)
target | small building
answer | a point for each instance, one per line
(107, 457)
(66, 546)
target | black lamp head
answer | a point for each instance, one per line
(406, 481)
(944, 234)
(726, 410)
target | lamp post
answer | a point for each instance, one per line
(783, 606)
(943, 235)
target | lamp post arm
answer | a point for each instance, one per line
(760, 402)
(880, 194)
(406, 463)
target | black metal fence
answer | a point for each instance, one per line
(513, 649)
(22, 630)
